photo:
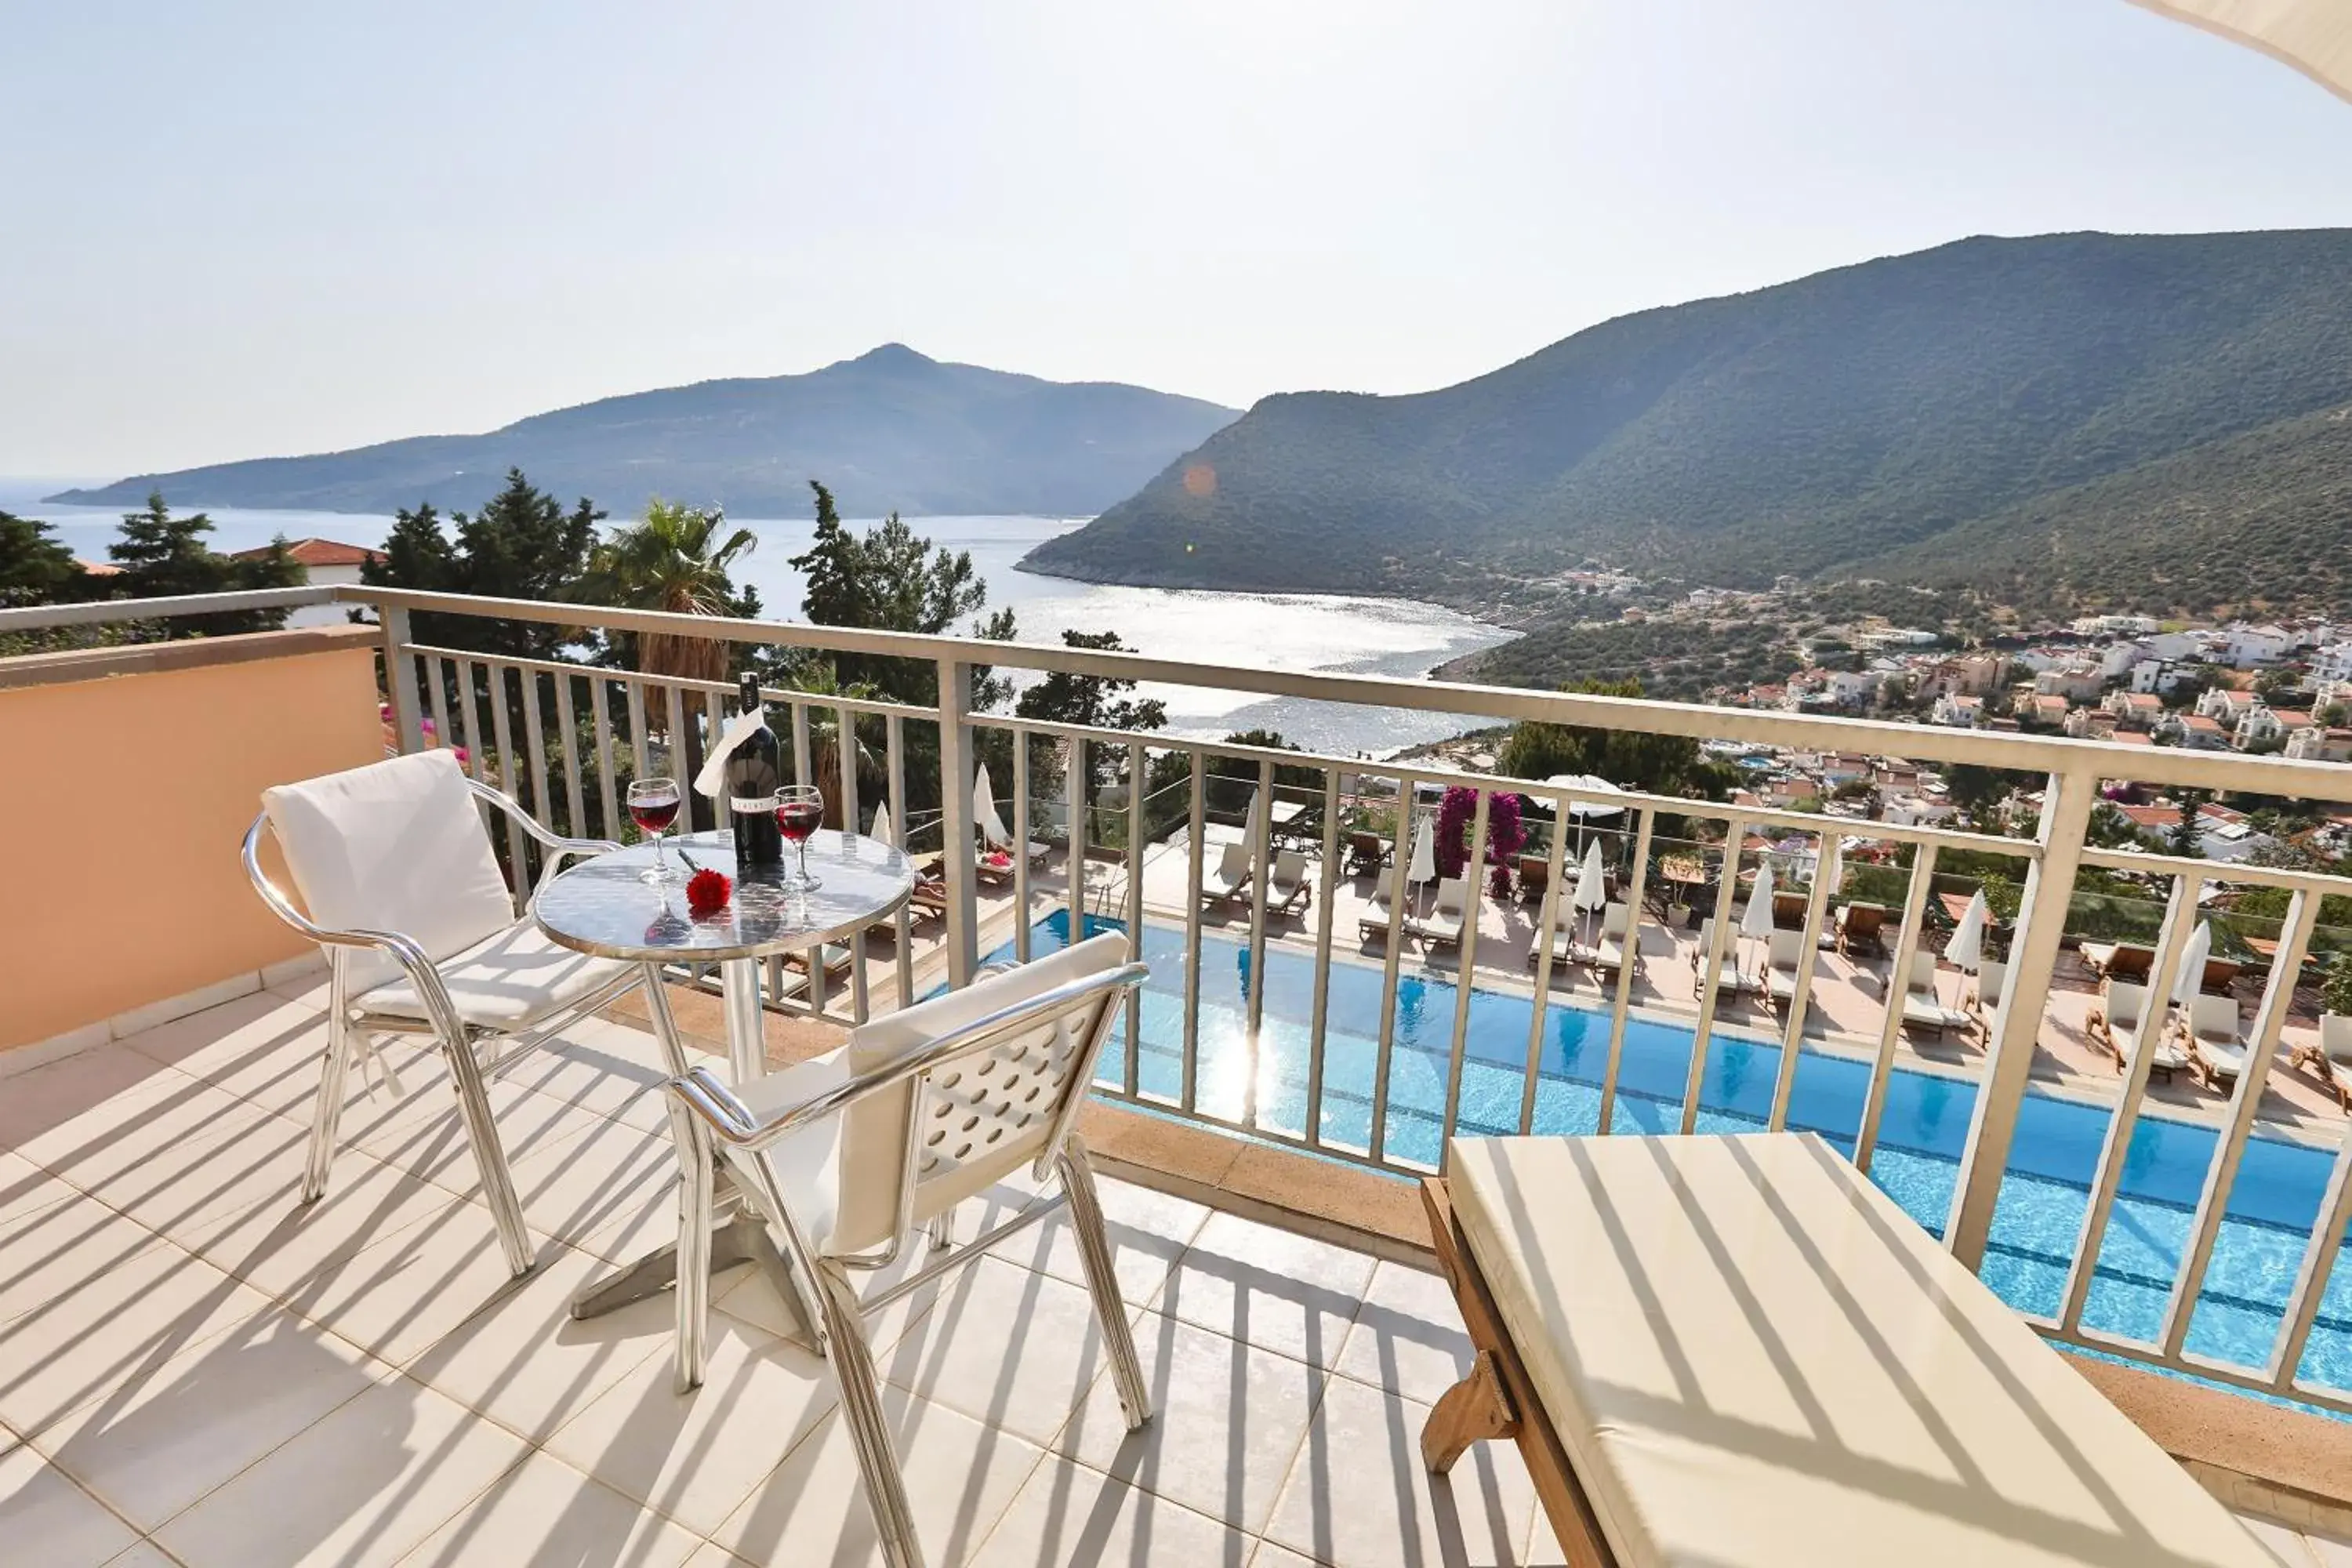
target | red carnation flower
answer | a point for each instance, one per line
(707, 891)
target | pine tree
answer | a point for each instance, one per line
(2186, 840)
(162, 555)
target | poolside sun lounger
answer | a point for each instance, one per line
(1442, 927)
(1736, 1350)
(1859, 929)
(1535, 876)
(2330, 1056)
(1607, 953)
(1286, 888)
(1374, 921)
(1922, 1009)
(1730, 979)
(1229, 879)
(1366, 852)
(2217, 1051)
(1784, 951)
(2127, 1027)
(2119, 960)
(1993, 990)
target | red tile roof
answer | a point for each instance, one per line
(320, 553)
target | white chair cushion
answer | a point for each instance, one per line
(512, 981)
(1755, 1359)
(807, 1162)
(397, 845)
(990, 1130)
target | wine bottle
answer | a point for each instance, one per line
(752, 777)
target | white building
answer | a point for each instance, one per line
(2332, 662)
(2246, 647)
(324, 562)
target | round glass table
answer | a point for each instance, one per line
(604, 906)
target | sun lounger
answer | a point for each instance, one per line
(1367, 852)
(1442, 927)
(1922, 1008)
(1535, 876)
(2330, 1056)
(1788, 911)
(2119, 960)
(1991, 990)
(1784, 950)
(2125, 1027)
(2217, 1051)
(1229, 879)
(1859, 929)
(1375, 920)
(1286, 888)
(1729, 979)
(1736, 1350)
(1607, 953)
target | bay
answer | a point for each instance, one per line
(1291, 632)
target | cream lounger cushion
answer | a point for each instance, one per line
(1754, 1359)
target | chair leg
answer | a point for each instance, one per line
(334, 1080)
(489, 1154)
(861, 1409)
(941, 1230)
(1102, 1282)
(695, 1177)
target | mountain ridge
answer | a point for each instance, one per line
(892, 429)
(1822, 426)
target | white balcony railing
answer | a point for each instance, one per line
(563, 736)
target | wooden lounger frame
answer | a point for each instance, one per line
(1497, 1399)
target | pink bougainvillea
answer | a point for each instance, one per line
(1506, 834)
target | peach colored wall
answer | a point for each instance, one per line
(127, 794)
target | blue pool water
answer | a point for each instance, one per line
(2273, 1207)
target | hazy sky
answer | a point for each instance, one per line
(234, 230)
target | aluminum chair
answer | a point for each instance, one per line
(400, 885)
(852, 1155)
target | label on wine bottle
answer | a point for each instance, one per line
(751, 805)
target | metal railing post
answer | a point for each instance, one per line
(955, 759)
(2040, 923)
(400, 682)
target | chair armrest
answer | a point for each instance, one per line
(559, 848)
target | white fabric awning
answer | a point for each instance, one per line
(2315, 37)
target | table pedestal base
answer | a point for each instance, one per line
(738, 1240)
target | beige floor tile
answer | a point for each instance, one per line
(280, 1243)
(545, 1514)
(1288, 1293)
(146, 1555)
(750, 1294)
(175, 1179)
(434, 1148)
(111, 1326)
(1358, 1496)
(39, 1503)
(1269, 1555)
(152, 1448)
(523, 1362)
(1005, 1345)
(163, 1128)
(574, 1188)
(593, 1067)
(356, 1490)
(2330, 1551)
(715, 1556)
(647, 1224)
(25, 1187)
(1147, 1232)
(1409, 1335)
(251, 1041)
(1544, 1550)
(51, 1112)
(813, 1510)
(696, 1455)
(47, 1253)
(1066, 1513)
(1228, 1420)
(404, 1292)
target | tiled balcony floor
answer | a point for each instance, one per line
(195, 1369)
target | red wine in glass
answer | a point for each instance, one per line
(653, 818)
(800, 810)
(653, 806)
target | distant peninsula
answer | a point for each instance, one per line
(891, 430)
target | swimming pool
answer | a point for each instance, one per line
(2273, 1202)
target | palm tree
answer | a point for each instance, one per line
(669, 562)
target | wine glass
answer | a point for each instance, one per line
(800, 808)
(653, 806)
